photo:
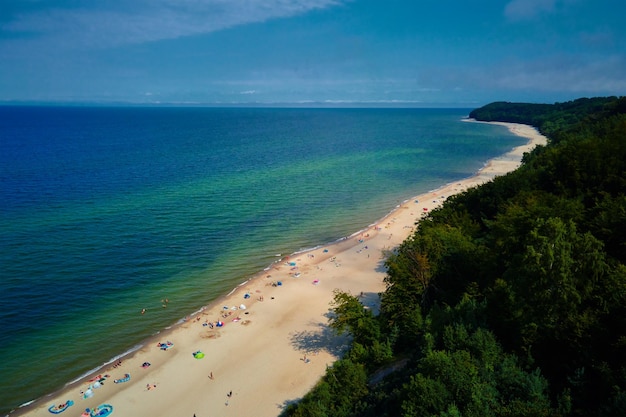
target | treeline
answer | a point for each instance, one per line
(548, 118)
(509, 300)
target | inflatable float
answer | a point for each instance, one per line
(103, 410)
(165, 346)
(56, 409)
(125, 379)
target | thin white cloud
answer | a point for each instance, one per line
(599, 39)
(121, 22)
(565, 74)
(528, 9)
(518, 10)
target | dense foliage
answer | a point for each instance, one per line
(548, 118)
(510, 300)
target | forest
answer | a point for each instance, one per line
(510, 299)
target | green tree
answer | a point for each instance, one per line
(350, 315)
(424, 397)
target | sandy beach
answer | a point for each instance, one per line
(273, 343)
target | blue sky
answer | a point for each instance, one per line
(340, 52)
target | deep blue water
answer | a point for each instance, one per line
(105, 211)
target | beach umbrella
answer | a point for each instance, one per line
(242, 307)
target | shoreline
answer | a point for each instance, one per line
(274, 350)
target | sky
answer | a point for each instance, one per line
(448, 53)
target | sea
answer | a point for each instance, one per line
(105, 211)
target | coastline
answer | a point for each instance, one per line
(259, 353)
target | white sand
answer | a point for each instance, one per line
(260, 358)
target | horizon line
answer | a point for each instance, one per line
(287, 104)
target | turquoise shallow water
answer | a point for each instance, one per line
(106, 211)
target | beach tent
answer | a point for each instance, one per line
(88, 393)
(198, 355)
(242, 307)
